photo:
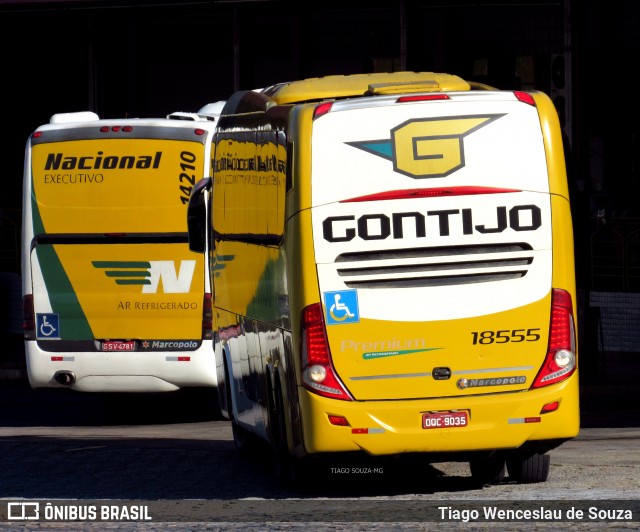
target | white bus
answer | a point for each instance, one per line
(113, 300)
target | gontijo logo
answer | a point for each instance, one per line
(427, 147)
(149, 273)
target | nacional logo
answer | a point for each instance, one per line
(427, 147)
(148, 274)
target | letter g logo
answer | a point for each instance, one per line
(428, 147)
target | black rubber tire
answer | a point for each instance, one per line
(244, 440)
(289, 471)
(489, 469)
(528, 468)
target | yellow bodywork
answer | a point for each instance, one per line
(504, 421)
(266, 272)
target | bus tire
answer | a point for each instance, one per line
(528, 468)
(288, 470)
(488, 469)
(244, 440)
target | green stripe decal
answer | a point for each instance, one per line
(127, 274)
(63, 299)
(383, 354)
(120, 264)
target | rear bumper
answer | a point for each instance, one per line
(150, 371)
(496, 421)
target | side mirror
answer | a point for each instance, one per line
(197, 216)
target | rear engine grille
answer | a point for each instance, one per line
(434, 266)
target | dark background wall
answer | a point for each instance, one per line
(148, 58)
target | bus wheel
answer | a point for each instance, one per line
(489, 469)
(288, 470)
(244, 440)
(528, 468)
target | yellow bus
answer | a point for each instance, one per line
(113, 299)
(394, 272)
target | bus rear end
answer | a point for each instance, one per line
(113, 298)
(442, 239)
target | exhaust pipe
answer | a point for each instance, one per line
(65, 377)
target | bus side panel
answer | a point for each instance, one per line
(250, 308)
(251, 303)
(563, 247)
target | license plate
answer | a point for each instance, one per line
(114, 345)
(444, 420)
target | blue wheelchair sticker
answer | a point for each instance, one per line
(48, 326)
(341, 307)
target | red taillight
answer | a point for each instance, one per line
(317, 350)
(339, 421)
(322, 109)
(525, 97)
(116, 129)
(207, 318)
(318, 374)
(560, 361)
(28, 318)
(422, 98)
(411, 193)
(550, 407)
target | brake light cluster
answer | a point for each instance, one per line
(560, 361)
(207, 317)
(323, 108)
(28, 318)
(318, 373)
(125, 129)
(524, 97)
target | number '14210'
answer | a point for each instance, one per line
(506, 335)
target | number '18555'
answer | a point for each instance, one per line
(506, 335)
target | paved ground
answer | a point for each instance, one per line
(106, 448)
(610, 387)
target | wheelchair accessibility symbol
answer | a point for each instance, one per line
(48, 326)
(342, 307)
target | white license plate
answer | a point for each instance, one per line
(113, 345)
(445, 420)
